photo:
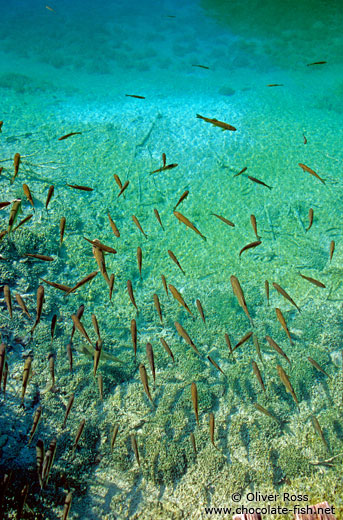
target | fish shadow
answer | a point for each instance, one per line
(338, 429)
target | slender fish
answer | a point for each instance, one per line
(278, 349)
(175, 260)
(136, 221)
(285, 295)
(50, 194)
(310, 219)
(130, 291)
(200, 310)
(185, 336)
(157, 215)
(237, 289)
(194, 392)
(188, 223)
(223, 219)
(179, 298)
(158, 307)
(8, 300)
(144, 379)
(285, 380)
(283, 323)
(166, 346)
(181, 199)
(62, 227)
(150, 356)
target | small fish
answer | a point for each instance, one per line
(41, 257)
(188, 223)
(166, 346)
(164, 281)
(123, 188)
(254, 226)
(40, 300)
(68, 135)
(245, 338)
(250, 246)
(257, 346)
(158, 307)
(164, 159)
(68, 408)
(258, 375)
(1, 124)
(212, 429)
(305, 140)
(40, 455)
(332, 249)
(165, 167)
(15, 210)
(134, 336)
(228, 342)
(79, 433)
(259, 182)
(194, 392)
(80, 328)
(77, 187)
(275, 85)
(317, 366)
(309, 170)
(111, 285)
(175, 260)
(278, 349)
(16, 163)
(84, 280)
(96, 327)
(26, 219)
(28, 195)
(118, 181)
(200, 310)
(266, 288)
(134, 96)
(59, 286)
(36, 418)
(21, 501)
(312, 280)
(150, 356)
(215, 122)
(96, 356)
(139, 260)
(179, 298)
(242, 171)
(201, 66)
(136, 221)
(130, 291)
(113, 226)
(8, 300)
(318, 429)
(51, 360)
(310, 219)
(157, 215)
(215, 364)
(50, 194)
(223, 219)
(237, 289)
(285, 295)
(79, 314)
(5, 378)
(53, 326)
(70, 355)
(48, 461)
(266, 412)
(182, 198)
(282, 320)
(135, 448)
(26, 377)
(144, 379)
(316, 63)
(192, 438)
(2, 360)
(100, 245)
(285, 380)
(67, 505)
(114, 436)
(4, 204)
(185, 336)
(62, 227)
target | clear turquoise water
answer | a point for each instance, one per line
(68, 70)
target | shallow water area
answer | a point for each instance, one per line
(68, 68)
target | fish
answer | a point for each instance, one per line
(310, 219)
(237, 289)
(139, 260)
(318, 429)
(316, 63)
(21, 501)
(68, 408)
(48, 461)
(79, 314)
(26, 377)
(114, 436)
(79, 433)
(80, 328)
(136, 221)
(67, 505)
(166, 346)
(84, 280)
(118, 181)
(182, 198)
(100, 260)
(285, 295)
(275, 85)
(130, 291)
(215, 364)
(100, 245)
(96, 356)
(4, 205)
(164, 159)
(200, 310)
(15, 210)
(243, 340)
(53, 326)
(194, 393)
(113, 226)
(212, 429)
(278, 349)
(62, 227)
(28, 195)
(8, 300)
(192, 438)
(228, 342)
(250, 246)
(332, 249)
(59, 286)
(39, 459)
(258, 375)
(45, 258)
(96, 326)
(111, 285)
(266, 288)
(40, 300)
(157, 215)
(158, 307)
(257, 346)
(134, 335)
(123, 188)
(144, 379)
(164, 281)
(134, 96)
(285, 380)
(310, 171)
(266, 412)
(201, 66)
(215, 122)
(165, 167)
(185, 336)
(254, 226)
(175, 260)
(260, 182)
(49, 8)
(313, 281)
(317, 366)
(179, 298)
(69, 135)
(1, 125)
(282, 320)
(150, 356)
(188, 223)
(241, 171)
(223, 219)
(16, 163)
(70, 355)
(2, 360)
(305, 140)
(5, 378)
(77, 187)
(50, 194)
(36, 418)
(135, 448)
(26, 219)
